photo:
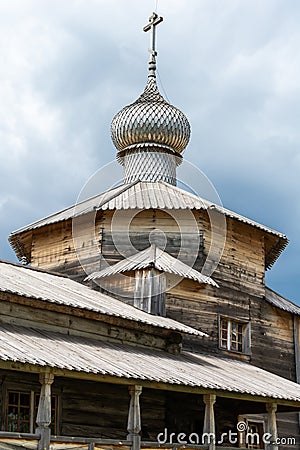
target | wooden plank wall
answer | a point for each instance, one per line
(288, 427)
(242, 263)
(64, 322)
(240, 275)
(273, 340)
(94, 409)
(100, 410)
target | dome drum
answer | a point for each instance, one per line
(150, 166)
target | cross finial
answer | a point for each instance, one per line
(154, 20)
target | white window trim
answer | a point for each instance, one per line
(246, 350)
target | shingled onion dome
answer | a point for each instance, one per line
(150, 134)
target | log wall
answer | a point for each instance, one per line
(240, 275)
(63, 321)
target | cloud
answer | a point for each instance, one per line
(232, 67)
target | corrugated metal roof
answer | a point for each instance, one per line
(45, 348)
(157, 258)
(36, 284)
(142, 195)
(146, 195)
(280, 302)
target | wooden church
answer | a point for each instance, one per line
(140, 318)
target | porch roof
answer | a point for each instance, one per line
(121, 363)
(58, 289)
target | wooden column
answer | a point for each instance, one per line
(209, 429)
(272, 425)
(43, 418)
(134, 417)
(297, 351)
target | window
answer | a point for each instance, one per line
(234, 335)
(252, 437)
(18, 412)
(22, 410)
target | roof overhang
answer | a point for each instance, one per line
(73, 356)
(139, 196)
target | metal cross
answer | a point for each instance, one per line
(154, 20)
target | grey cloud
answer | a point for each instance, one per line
(232, 67)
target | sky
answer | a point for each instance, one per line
(232, 66)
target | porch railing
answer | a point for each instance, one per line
(18, 441)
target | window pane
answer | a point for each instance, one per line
(233, 346)
(25, 400)
(24, 413)
(12, 427)
(224, 334)
(12, 412)
(13, 398)
(224, 324)
(24, 427)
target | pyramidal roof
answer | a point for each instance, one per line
(141, 195)
(154, 257)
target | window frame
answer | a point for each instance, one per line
(19, 406)
(34, 394)
(246, 335)
(257, 420)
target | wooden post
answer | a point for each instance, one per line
(43, 418)
(272, 425)
(297, 351)
(209, 429)
(134, 417)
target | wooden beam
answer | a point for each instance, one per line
(87, 314)
(272, 425)
(297, 351)
(43, 418)
(31, 368)
(134, 417)
(209, 428)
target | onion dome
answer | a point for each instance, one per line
(150, 134)
(150, 120)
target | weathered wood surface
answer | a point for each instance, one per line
(240, 275)
(288, 427)
(62, 443)
(67, 323)
(17, 444)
